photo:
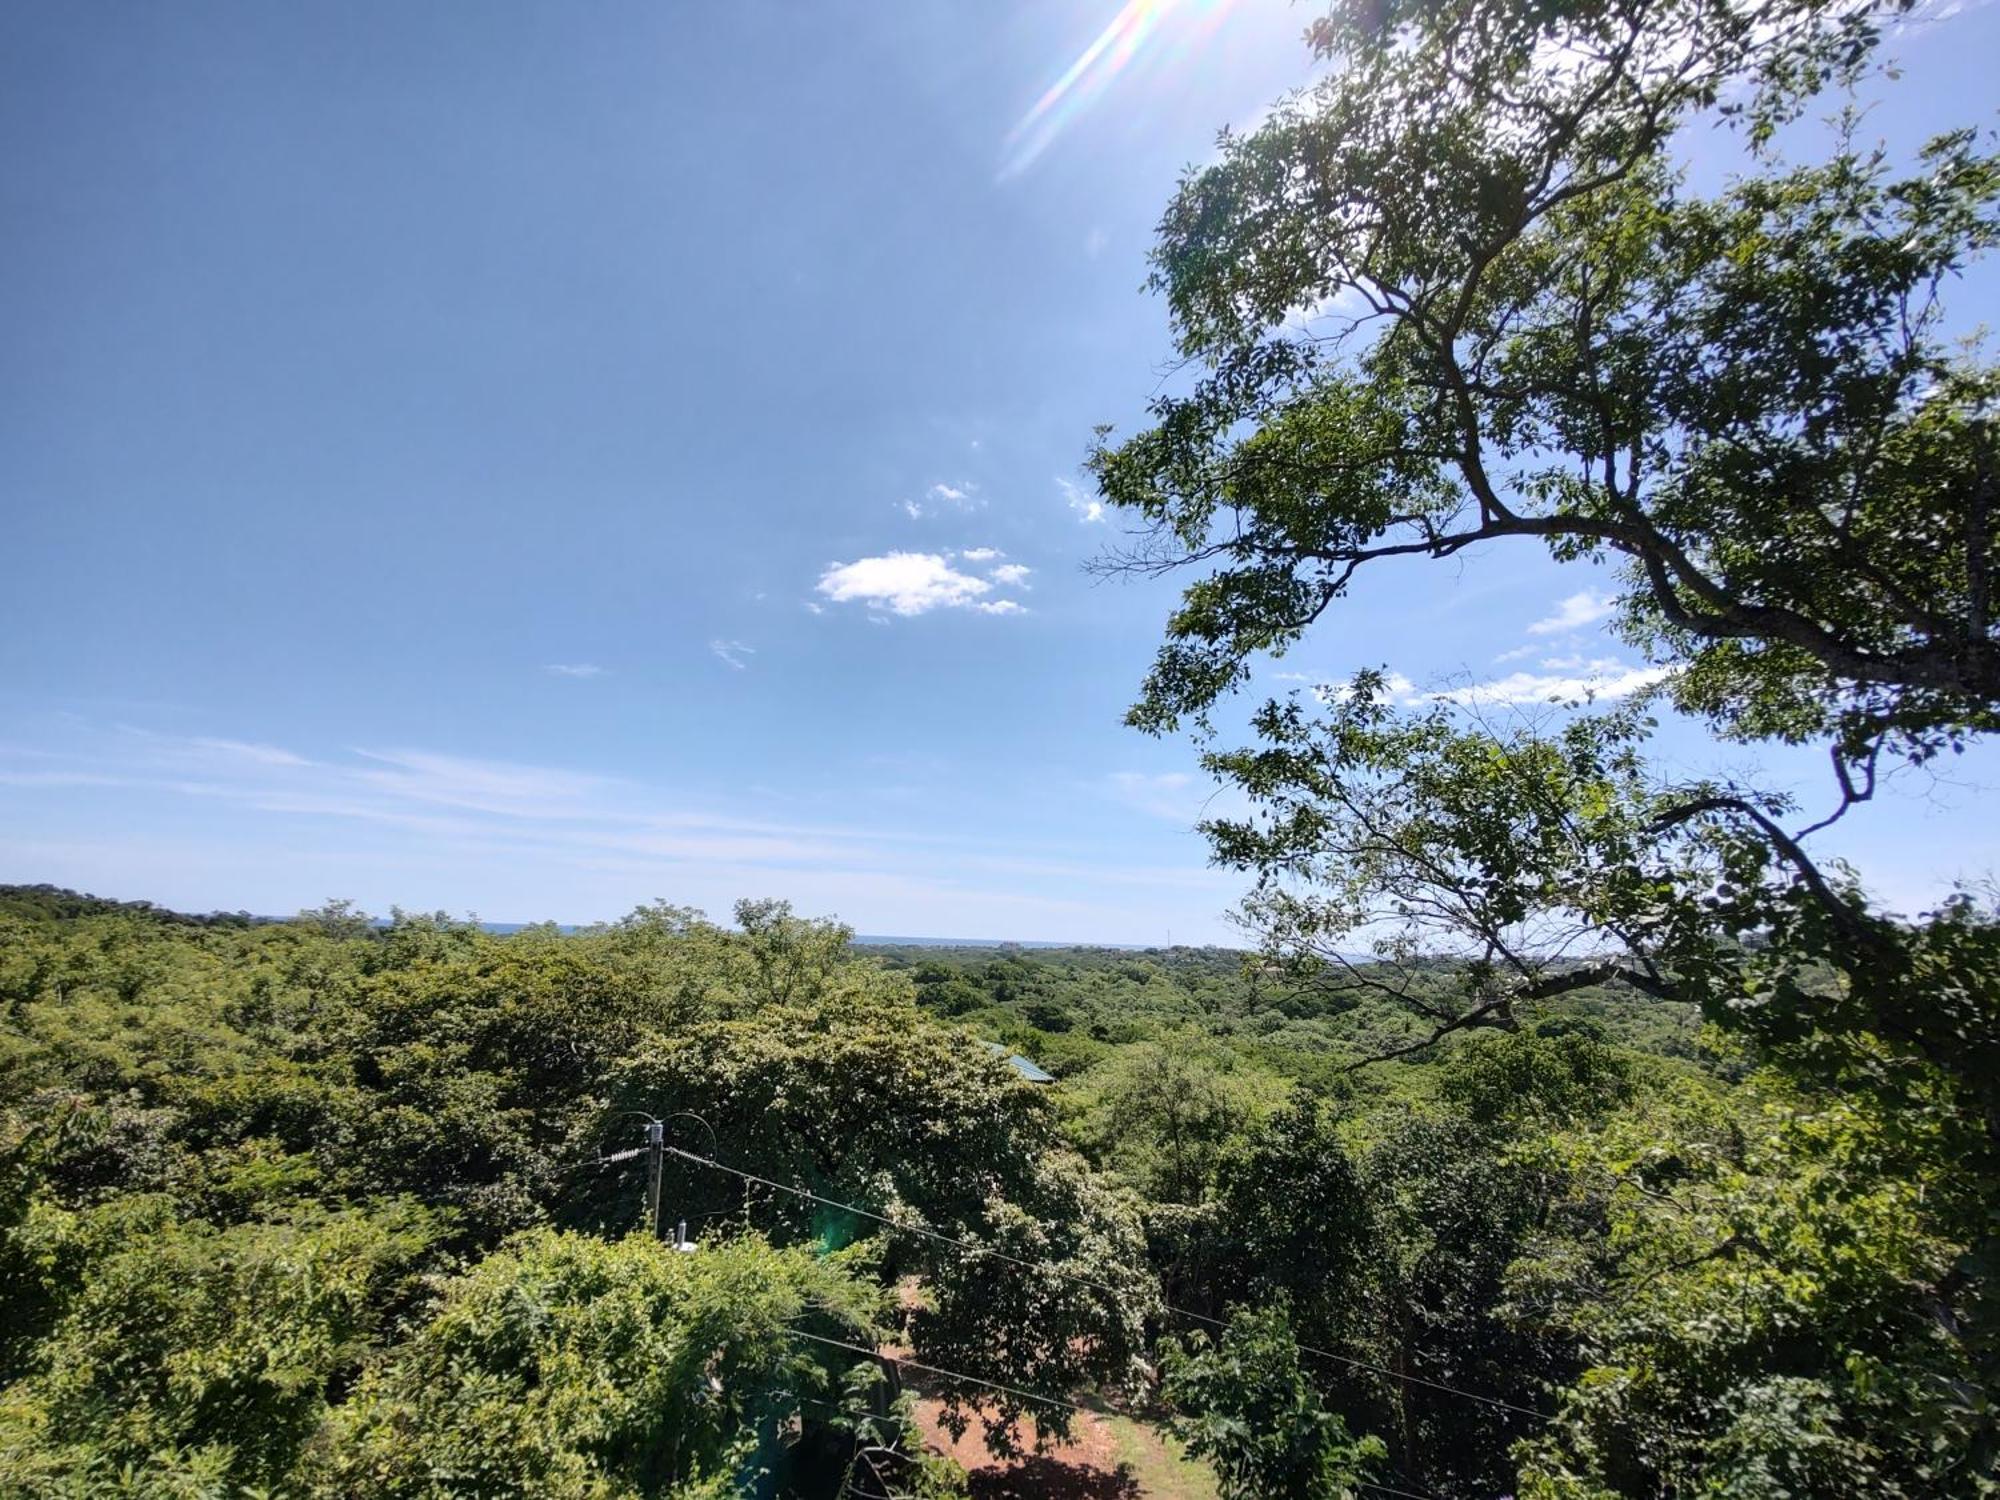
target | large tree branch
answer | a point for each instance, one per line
(1498, 1012)
(1849, 917)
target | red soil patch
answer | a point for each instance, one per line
(1085, 1468)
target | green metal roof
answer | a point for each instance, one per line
(1019, 1064)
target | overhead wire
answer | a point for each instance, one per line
(1389, 1489)
(972, 1247)
(897, 1359)
(915, 1364)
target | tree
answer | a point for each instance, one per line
(566, 1365)
(1243, 1404)
(1170, 1109)
(862, 1100)
(182, 1349)
(1518, 324)
(1761, 1315)
(1458, 293)
(1750, 399)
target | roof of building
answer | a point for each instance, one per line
(1019, 1064)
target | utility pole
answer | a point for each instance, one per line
(656, 1151)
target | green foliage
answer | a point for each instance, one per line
(1780, 1324)
(1751, 402)
(1066, 1308)
(1244, 1404)
(182, 1344)
(854, 1097)
(213, 1136)
(1169, 1109)
(565, 1365)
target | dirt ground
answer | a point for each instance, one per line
(1108, 1458)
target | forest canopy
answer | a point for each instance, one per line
(1462, 294)
(1572, 1127)
(315, 1207)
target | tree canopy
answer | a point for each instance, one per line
(1462, 291)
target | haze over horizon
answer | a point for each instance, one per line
(542, 467)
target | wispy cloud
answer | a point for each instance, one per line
(909, 584)
(1575, 612)
(942, 497)
(574, 669)
(1014, 575)
(1089, 509)
(62, 779)
(1182, 798)
(735, 653)
(981, 554)
(1163, 794)
(520, 791)
(1602, 679)
(268, 755)
(428, 821)
(1565, 679)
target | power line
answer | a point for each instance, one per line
(974, 1248)
(896, 1359)
(1389, 1490)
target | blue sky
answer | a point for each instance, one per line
(531, 459)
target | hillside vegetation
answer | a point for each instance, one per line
(312, 1208)
(1576, 1130)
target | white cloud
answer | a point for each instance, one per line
(1012, 574)
(814, 608)
(1088, 507)
(1599, 679)
(1395, 686)
(733, 652)
(1347, 302)
(1570, 679)
(942, 497)
(910, 583)
(1166, 794)
(1095, 241)
(278, 831)
(982, 554)
(574, 669)
(1518, 652)
(263, 755)
(1575, 612)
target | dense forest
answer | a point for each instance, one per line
(316, 1207)
(1570, 1127)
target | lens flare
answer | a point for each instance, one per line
(1137, 24)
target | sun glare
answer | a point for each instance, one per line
(1166, 30)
